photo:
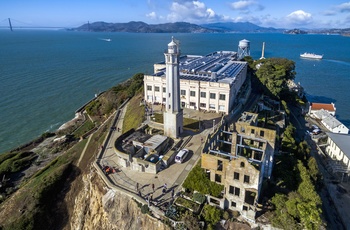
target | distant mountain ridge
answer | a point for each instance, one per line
(185, 27)
(141, 27)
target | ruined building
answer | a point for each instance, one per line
(240, 157)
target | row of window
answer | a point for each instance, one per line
(192, 93)
(252, 131)
(204, 95)
(246, 178)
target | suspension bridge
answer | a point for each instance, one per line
(12, 24)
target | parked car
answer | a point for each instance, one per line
(181, 155)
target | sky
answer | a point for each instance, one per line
(286, 14)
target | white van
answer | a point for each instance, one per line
(181, 155)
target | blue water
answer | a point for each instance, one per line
(46, 75)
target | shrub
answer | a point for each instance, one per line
(199, 197)
(144, 209)
(211, 214)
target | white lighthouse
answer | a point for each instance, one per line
(173, 116)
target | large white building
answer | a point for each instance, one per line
(338, 149)
(209, 82)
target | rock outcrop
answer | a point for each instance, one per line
(98, 207)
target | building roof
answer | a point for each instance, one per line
(219, 66)
(318, 106)
(342, 141)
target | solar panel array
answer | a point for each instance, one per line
(220, 66)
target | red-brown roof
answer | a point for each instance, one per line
(318, 106)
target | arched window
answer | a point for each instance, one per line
(242, 164)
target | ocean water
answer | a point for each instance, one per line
(45, 75)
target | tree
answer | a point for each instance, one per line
(191, 222)
(288, 141)
(211, 214)
(274, 73)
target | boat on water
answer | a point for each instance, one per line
(311, 55)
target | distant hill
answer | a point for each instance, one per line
(245, 27)
(185, 27)
(141, 27)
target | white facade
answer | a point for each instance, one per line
(204, 83)
(330, 122)
(338, 148)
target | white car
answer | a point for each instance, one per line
(181, 155)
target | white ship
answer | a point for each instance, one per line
(311, 56)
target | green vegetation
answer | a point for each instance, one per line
(211, 214)
(188, 123)
(198, 181)
(114, 97)
(191, 221)
(271, 75)
(87, 126)
(15, 162)
(297, 204)
(199, 197)
(135, 113)
(187, 204)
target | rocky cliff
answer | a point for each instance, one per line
(94, 206)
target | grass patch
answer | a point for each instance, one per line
(15, 162)
(134, 114)
(87, 126)
(188, 123)
(189, 204)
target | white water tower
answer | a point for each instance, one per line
(243, 49)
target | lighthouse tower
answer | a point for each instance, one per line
(173, 115)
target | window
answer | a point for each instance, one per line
(192, 103)
(192, 93)
(203, 105)
(236, 176)
(164, 90)
(212, 95)
(149, 97)
(219, 168)
(246, 179)
(261, 144)
(234, 190)
(262, 133)
(222, 97)
(211, 106)
(149, 88)
(233, 204)
(183, 92)
(156, 88)
(245, 208)
(252, 131)
(183, 104)
(218, 178)
(242, 164)
(221, 108)
(203, 94)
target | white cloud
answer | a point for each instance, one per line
(191, 11)
(299, 17)
(152, 15)
(345, 7)
(246, 5)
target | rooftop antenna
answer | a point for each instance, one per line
(10, 24)
(263, 51)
